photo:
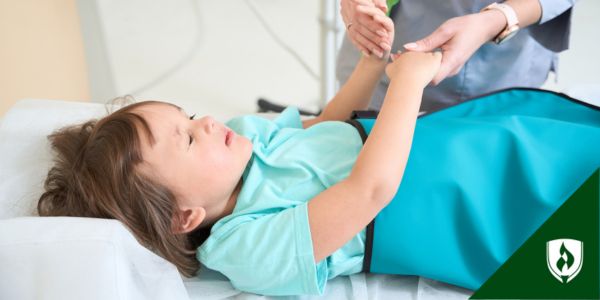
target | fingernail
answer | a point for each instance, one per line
(385, 46)
(382, 33)
(410, 46)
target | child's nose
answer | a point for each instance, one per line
(208, 124)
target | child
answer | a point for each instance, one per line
(279, 207)
(165, 175)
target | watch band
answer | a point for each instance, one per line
(512, 22)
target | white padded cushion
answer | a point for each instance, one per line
(80, 258)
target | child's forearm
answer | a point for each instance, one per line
(381, 163)
(356, 93)
(344, 209)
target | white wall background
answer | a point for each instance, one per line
(234, 61)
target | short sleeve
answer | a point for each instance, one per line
(270, 255)
(553, 8)
(289, 118)
(554, 27)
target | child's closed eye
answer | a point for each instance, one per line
(191, 138)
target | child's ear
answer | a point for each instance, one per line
(190, 219)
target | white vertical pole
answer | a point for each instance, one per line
(330, 42)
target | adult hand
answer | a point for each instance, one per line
(459, 38)
(367, 26)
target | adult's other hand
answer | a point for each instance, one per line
(368, 29)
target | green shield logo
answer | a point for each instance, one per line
(564, 258)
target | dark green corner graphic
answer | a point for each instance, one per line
(560, 260)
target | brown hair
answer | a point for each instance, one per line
(95, 175)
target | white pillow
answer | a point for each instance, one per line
(80, 258)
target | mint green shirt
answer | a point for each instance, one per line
(265, 245)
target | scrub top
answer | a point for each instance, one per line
(525, 60)
(265, 245)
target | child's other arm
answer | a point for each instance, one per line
(340, 212)
(355, 94)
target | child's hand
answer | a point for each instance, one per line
(415, 66)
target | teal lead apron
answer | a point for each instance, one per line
(481, 177)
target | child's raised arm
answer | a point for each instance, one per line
(340, 212)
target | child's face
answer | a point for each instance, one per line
(193, 158)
